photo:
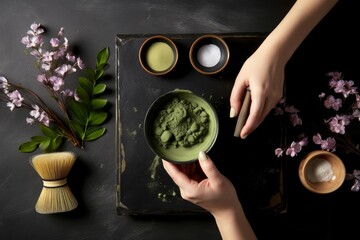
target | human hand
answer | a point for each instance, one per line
(204, 186)
(263, 74)
(209, 189)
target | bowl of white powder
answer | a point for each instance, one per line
(322, 172)
(209, 54)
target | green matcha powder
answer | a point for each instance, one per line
(181, 123)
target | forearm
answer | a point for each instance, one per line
(233, 224)
(295, 26)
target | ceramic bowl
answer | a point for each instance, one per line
(209, 54)
(158, 55)
(322, 172)
(179, 132)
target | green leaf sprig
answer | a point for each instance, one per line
(88, 114)
(84, 117)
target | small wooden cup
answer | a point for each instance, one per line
(147, 45)
(322, 187)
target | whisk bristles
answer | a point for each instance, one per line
(56, 195)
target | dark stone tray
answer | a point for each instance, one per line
(143, 186)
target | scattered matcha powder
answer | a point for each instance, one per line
(181, 123)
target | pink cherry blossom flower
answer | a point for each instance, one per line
(44, 119)
(46, 66)
(56, 82)
(357, 101)
(294, 149)
(54, 42)
(15, 98)
(30, 121)
(345, 88)
(65, 69)
(47, 56)
(67, 93)
(303, 142)
(59, 53)
(61, 32)
(36, 112)
(335, 75)
(331, 102)
(35, 29)
(279, 152)
(356, 186)
(322, 95)
(337, 123)
(356, 114)
(4, 85)
(80, 63)
(328, 144)
(41, 78)
(295, 119)
(70, 57)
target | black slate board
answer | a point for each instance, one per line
(143, 187)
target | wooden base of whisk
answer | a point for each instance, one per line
(53, 168)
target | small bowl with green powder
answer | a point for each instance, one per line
(179, 124)
(158, 55)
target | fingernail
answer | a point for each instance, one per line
(202, 156)
(232, 112)
(244, 137)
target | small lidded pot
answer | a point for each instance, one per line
(158, 55)
(209, 54)
(322, 172)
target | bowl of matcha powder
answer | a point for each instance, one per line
(179, 124)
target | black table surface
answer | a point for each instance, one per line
(144, 188)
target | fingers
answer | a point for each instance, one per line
(261, 106)
(256, 114)
(238, 91)
(184, 181)
(209, 168)
(180, 178)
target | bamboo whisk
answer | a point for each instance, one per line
(53, 169)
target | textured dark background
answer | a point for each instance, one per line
(92, 25)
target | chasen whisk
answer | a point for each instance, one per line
(53, 168)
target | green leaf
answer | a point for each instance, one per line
(99, 73)
(90, 73)
(77, 128)
(98, 103)
(83, 95)
(99, 88)
(86, 84)
(55, 143)
(48, 132)
(102, 58)
(97, 117)
(94, 133)
(45, 144)
(28, 147)
(38, 139)
(78, 112)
